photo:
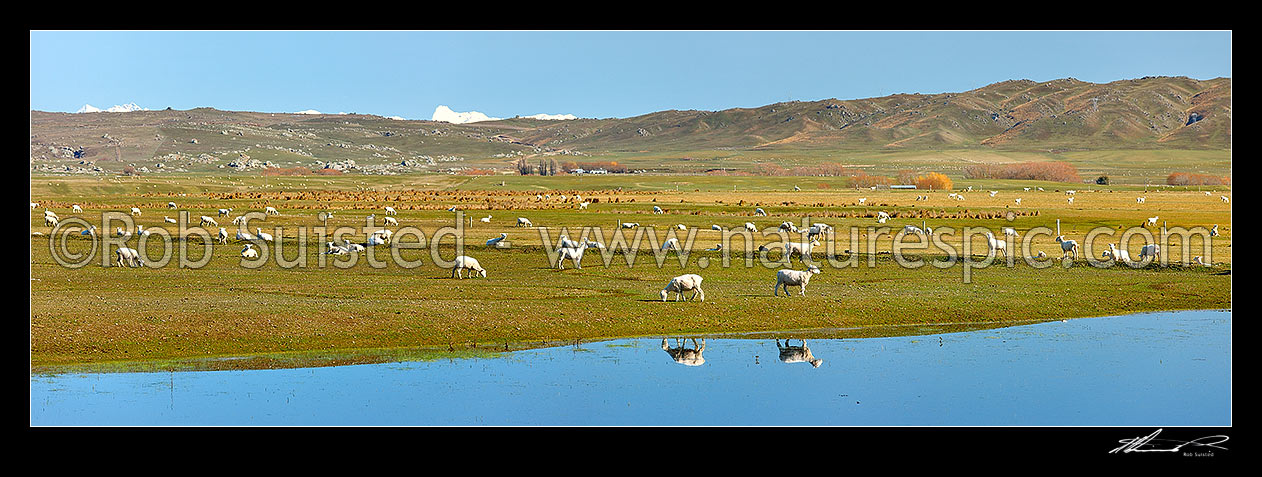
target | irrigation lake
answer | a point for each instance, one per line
(1151, 369)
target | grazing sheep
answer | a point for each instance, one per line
(223, 236)
(140, 230)
(240, 220)
(244, 236)
(1027, 189)
(751, 227)
(1139, 200)
(683, 283)
(266, 237)
(863, 200)
(391, 211)
(91, 231)
(1153, 221)
(681, 227)
(759, 212)
(785, 278)
(685, 356)
(575, 254)
(595, 245)
(171, 220)
(1071, 200)
(565, 242)
(657, 210)
(1197, 260)
(50, 220)
(803, 250)
(465, 262)
(269, 210)
(912, 229)
(391, 221)
(583, 205)
(224, 212)
(789, 226)
(882, 214)
(1224, 198)
(1040, 189)
(135, 211)
(76, 208)
(451, 209)
(129, 256)
(797, 189)
(993, 192)
(171, 205)
(495, 241)
(818, 229)
(628, 225)
(249, 251)
(716, 248)
(1010, 232)
(1017, 200)
(1214, 232)
(524, 222)
(208, 222)
(1067, 246)
(716, 227)
(34, 205)
(996, 245)
(671, 244)
(1071, 192)
(1150, 250)
(485, 220)
(797, 354)
(121, 233)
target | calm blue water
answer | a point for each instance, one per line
(1157, 369)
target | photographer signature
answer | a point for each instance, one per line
(1135, 444)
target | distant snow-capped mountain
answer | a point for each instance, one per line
(118, 108)
(443, 113)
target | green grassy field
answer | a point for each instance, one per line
(98, 314)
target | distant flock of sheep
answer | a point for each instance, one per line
(573, 251)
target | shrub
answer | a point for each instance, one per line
(1188, 178)
(933, 181)
(1055, 171)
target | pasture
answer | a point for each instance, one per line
(101, 313)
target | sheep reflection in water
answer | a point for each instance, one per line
(797, 354)
(683, 355)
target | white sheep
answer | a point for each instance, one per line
(1197, 260)
(583, 205)
(671, 244)
(574, 254)
(140, 230)
(657, 210)
(224, 212)
(863, 200)
(240, 220)
(34, 205)
(244, 236)
(681, 227)
(121, 233)
(333, 249)
(269, 210)
(249, 251)
(1150, 250)
(135, 211)
(391, 211)
(524, 222)
(171, 205)
(1214, 232)
(90, 232)
(1139, 200)
(465, 262)
(751, 227)
(266, 237)
(683, 283)
(789, 226)
(223, 236)
(565, 242)
(1153, 220)
(1070, 200)
(76, 208)
(803, 250)
(1224, 198)
(797, 354)
(797, 189)
(993, 192)
(391, 221)
(375, 240)
(1115, 253)
(1017, 200)
(996, 245)
(1067, 246)
(798, 278)
(485, 220)
(353, 247)
(912, 229)
(716, 227)
(759, 212)
(171, 220)
(208, 222)
(1010, 232)
(50, 220)
(129, 256)
(628, 225)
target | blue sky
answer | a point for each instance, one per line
(589, 74)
